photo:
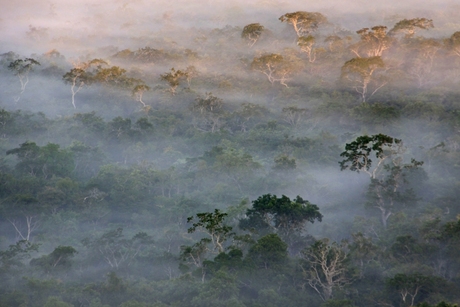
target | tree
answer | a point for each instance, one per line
(114, 77)
(409, 26)
(222, 290)
(324, 267)
(409, 286)
(212, 223)
(24, 207)
(15, 254)
(306, 45)
(453, 43)
(237, 165)
(252, 33)
(210, 111)
(195, 254)
(388, 187)
(173, 78)
(44, 161)
(115, 250)
(138, 92)
(294, 115)
(81, 75)
(281, 215)
(420, 63)
(304, 22)
(60, 257)
(268, 252)
(373, 42)
(247, 113)
(362, 251)
(361, 73)
(21, 68)
(357, 154)
(275, 67)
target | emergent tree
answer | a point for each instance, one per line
(21, 69)
(304, 22)
(389, 188)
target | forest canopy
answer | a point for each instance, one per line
(265, 154)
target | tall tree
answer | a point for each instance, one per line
(453, 43)
(325, 267)
(364, 75)
(212, 224)
(409, 26)
(388, 188)
(281, 215)
(21, 69)
(138, 93)
(275, 67)
(210, 111)
(303, 22)
(252, 32)
(173, 78)
(81, 75)
(373, 42)
(422, 54)
(306, 45)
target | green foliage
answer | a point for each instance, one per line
(410, 287)
(388, 190)
(116, 251)
(304, 22)
(269, 252)
(16, 254)
(252, 33)
(60, 258)
(136, 166)
(357, 153)
(173, 79)
(281, 215)
(408, 26)
(45, 161)
(359, 74)
(212, 223)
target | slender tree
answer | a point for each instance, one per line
(21, 69)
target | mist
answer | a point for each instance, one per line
(153, 153)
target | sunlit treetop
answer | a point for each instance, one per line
(409, 26)
(304, 22)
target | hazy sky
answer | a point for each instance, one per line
(41, 25)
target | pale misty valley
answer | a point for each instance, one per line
(257, 153)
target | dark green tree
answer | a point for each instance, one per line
(45, 161)
(269, 252)
(15, 255)
(283, 216)
(388, 190)
(409, 287)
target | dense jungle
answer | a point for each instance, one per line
(259, 153)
